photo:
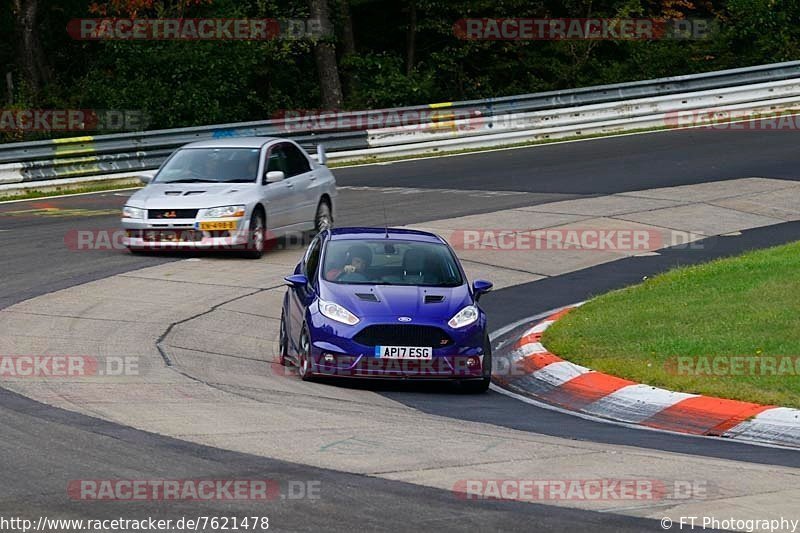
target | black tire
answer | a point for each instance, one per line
(304, 364)
(323, 219)
(139, 251)
(256, 237)
(283, 343)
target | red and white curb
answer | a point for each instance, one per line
(525, 367)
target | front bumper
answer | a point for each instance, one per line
(181, 234)
(463, 359)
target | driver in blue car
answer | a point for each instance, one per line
(357, 259)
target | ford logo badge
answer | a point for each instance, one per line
(404, 319)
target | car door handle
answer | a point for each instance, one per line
(289, 184)
(312, 177)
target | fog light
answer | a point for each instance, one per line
(329, 358)
(472, 362)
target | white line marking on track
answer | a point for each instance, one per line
(45, 198)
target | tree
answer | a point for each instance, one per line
(34, 68)
(411, 37)
(325, 56)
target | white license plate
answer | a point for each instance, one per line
(404, 352)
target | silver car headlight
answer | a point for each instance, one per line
(338, 313)
(132, 212)
(228, 211)
(465, 317)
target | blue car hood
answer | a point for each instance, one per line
(398, 300)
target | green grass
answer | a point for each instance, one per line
(744, 306)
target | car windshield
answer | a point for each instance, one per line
(390, 262)
(211, 165)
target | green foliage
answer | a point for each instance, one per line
(757, 29)
(379, 81)
(192, 83)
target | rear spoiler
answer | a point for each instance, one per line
(322, 157)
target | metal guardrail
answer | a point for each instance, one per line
(126, 152)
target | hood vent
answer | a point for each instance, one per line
(367, 297)
(434, 299)
(192, 193)
(172, 193)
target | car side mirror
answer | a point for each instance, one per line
(481, 287)
(296, 281)
(147, 177)
(274, 176)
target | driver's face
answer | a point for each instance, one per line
(359, 264)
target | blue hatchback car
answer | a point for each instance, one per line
(385, 303)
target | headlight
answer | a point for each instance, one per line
(228, 211)
(465, 317)
(338, 313)
(132, 212)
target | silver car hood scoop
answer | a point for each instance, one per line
(193, 193)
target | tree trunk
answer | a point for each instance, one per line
(411, 37)
(348, 35)
(32, 62)
(10, 87)
(348, 44)
(325, 56)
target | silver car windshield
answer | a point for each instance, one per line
(211, 165)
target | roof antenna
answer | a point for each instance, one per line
(385, 222)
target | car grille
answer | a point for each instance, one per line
(403, 335)
(168, 214)
(167, 235)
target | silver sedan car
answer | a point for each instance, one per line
(233, 193)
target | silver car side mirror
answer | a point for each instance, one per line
(275, 176)
(147, 177)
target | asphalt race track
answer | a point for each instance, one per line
(43, 447)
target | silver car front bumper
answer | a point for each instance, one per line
(181, 234)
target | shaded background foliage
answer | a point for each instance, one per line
(398, 53)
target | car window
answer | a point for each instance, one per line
(223, 165)
(396, 262)
(312, 260)
(298, 164)
(276, 161)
